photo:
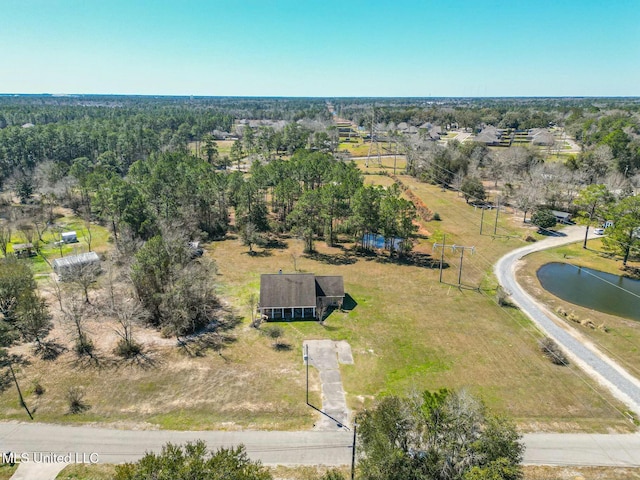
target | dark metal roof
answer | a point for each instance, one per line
(329, 286)
(287, 290)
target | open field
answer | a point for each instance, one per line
(622, 340)
(407, 332)
(386, 164)
(224, 147)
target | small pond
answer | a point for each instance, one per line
(592, 289)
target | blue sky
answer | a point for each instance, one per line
(321, 47)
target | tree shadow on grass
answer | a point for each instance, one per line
(282, 347)
(275, 243)
(213, 337)
(50, 350)
(414, 259)
(341, 259)
(145, 359)
(259, 254)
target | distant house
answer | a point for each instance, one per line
(66, 267)
(489, 135)
(69, 237)
(298, 296)
(23, 250)
(542, 137)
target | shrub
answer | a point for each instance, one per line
(38, 389)
(75, 397)
(436, 216)
(127, 349)
(552, 351)
(84, 346)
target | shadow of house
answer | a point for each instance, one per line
(298, 296)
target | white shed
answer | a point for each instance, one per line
(69, 237)
(66, 266)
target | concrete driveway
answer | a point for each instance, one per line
(325, 355)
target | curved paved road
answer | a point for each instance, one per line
(583, 353)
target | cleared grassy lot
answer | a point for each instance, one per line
(408, 332)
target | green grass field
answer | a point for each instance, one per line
(407, 331)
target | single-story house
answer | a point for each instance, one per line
(69, 237)
(64, 267)
(298, 295)
(540, 136)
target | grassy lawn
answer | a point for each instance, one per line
(6, 471)
(408, 332)
(100, 471)
(622, 340)
(385, 165)
(224, 147)
(383, 180)
(579, 473)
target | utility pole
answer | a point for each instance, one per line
(435, 245)
(374, 138)
(453, 248)
(353, 451)
(495, 227)
(306, 361)
(481, 219)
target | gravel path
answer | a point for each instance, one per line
(580, 350)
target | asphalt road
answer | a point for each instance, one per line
(288, 448)
(580, 351)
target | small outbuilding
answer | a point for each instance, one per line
(298, 296)
(69, 237)
(23, 250)
(562, 217)
(67, 267)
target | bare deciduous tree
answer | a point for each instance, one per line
(75, 314)
(87, 233)
(84, 276)
(5, 237)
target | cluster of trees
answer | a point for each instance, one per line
(314, 195)
(440, 435)
(23, 313)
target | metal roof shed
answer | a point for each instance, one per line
(69, 237)
(66, 266)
